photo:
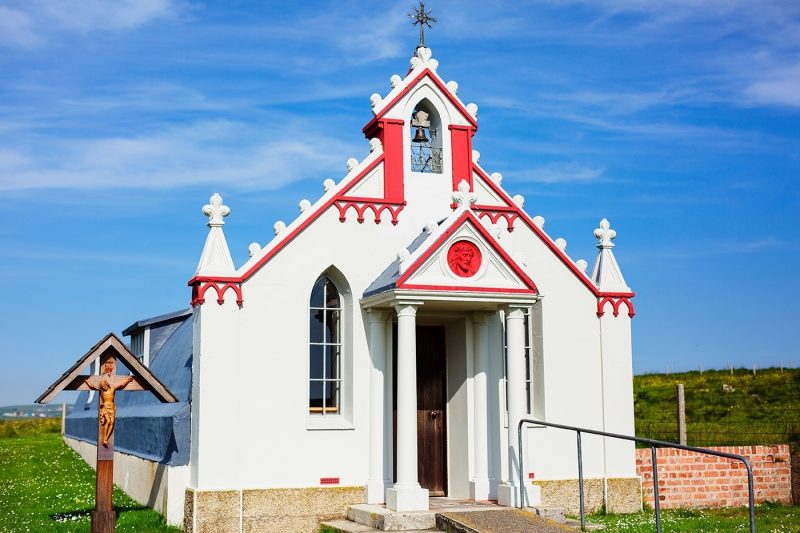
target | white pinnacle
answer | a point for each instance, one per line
(607, 274)
(216, 258)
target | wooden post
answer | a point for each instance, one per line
(681, 416)
(63, 417)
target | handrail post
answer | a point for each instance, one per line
(656, 498)
(580, 482)
(521, 469)
(750, 495)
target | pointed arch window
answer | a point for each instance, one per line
(325, 348)
(426, 139)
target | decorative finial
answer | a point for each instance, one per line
(254, 248)
(605, 234)
(215, 211)
(463, 197)
(422, 17)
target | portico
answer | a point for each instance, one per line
(474, 391)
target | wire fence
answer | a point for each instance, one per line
(723, 410)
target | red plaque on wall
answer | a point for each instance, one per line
(464, 259)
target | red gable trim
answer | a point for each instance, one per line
(442, 87)
(467, 217)
(294, 233)
(544, 238)
(499, 290)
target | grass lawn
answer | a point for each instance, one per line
(770, 517)
(45, 486)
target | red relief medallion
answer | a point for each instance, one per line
(464, 259)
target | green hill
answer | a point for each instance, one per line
(723, 407)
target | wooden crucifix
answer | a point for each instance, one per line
(107, 383)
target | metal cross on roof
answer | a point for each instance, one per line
(422, 17)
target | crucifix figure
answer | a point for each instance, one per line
(107, 383)
(423, 18)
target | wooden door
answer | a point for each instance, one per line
(431, 412)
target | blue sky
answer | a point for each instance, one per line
(678, 120)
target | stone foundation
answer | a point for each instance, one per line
(267, 510)
(624, 494)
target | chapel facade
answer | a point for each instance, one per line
(382, 347)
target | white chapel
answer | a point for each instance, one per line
(382, 347)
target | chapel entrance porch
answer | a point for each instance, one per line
(436, 398)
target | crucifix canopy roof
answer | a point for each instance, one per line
(109, 345)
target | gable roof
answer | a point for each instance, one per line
(71, 379)
(406, 88)
(402, 272)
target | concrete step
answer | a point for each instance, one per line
(556, 514)
(346, 526)
(382, 519)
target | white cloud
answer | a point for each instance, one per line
(780, 87)
(28, 26)
(571, 172)
(212, 152)
(16, 29)
(90, 15)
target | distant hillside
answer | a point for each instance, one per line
(722, 407)
(15, 412)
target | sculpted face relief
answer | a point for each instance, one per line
(464, 259)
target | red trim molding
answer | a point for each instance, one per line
(523, 216)
(360, 205)
(616, 300)
(495, 213)
(368, 128)
(200, 286)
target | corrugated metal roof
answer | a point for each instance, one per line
(157, 319)
(145, 427)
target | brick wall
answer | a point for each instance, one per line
(691, 480)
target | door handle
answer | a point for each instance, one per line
(434, 414)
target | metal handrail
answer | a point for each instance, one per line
(653, 457)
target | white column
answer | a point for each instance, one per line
(406, 494)
(479, 486)
(376, 485)
(508, 492)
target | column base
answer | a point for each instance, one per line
(480, 489)
(508, 495)
(376, 491)
(407, 498)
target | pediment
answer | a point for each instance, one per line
(464, 257)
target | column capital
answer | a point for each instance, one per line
(407, 307)
(481, 317)
(516, 312)
(376, 315)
